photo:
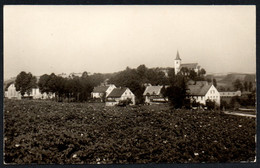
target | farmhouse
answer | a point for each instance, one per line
(101, 91)
(201, 91)
(119, 94)
(153, 95)
(178, 65)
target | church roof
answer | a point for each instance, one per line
(199, 89)
(177, 56)
(189, 65)
(152, 90)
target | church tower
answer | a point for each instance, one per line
(177, 63)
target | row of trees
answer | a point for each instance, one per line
(247, 101)
(74, 88)
(246, 86)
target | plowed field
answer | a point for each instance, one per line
(47, 132)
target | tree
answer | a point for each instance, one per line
(43, 83)
(238, 85)
(246, 86)
(84, 74)
(202, 72)
(192, 74)
(176, 93)
(250, 86)
(210, 104)
(214, 82)
(209, 80)
(25, 82)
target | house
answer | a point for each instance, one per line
(119, 94)
(201, 91)
(11, 93)
(230, 94)
(153, 95)
(178, 65)
(100, 91)
(36, 94)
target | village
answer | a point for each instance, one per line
(198, 91)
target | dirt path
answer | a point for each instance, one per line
(240, 114)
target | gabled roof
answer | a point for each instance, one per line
(177, 56)
(198, 89)
(189, 65)
(152, 90)
(100, 89)
(117, 92)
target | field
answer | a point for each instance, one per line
(47, 132)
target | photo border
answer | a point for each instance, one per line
(136, 2)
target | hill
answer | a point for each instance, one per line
(226, 80)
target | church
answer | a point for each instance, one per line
(178, 65)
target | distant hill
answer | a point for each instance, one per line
(241, 77)
(226, 80)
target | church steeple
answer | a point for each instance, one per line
(177, 63)
(177, 56)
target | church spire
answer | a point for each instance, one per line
(177, 56)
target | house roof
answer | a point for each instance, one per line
(177, 56)
(201, 83)
(189, 65)
(117, 92)
(100, 89)
(198, 89)
(152, 90)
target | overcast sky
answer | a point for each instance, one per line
(46, 39)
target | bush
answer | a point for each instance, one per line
(210, 104)
(125, 102)
(224, 105)
(187, 104)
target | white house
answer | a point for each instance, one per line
(36, 94)
(230, 94)
(201, 91)
(153, 95)
(178, 65)
(119, 94)
(11, 93)
(99, 91)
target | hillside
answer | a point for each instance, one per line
(227, 80)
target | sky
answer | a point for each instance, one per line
(105, 39)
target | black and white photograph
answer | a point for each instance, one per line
(129, 84)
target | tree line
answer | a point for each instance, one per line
(136, 79)
(74, 88)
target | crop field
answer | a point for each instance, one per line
(46, 132)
